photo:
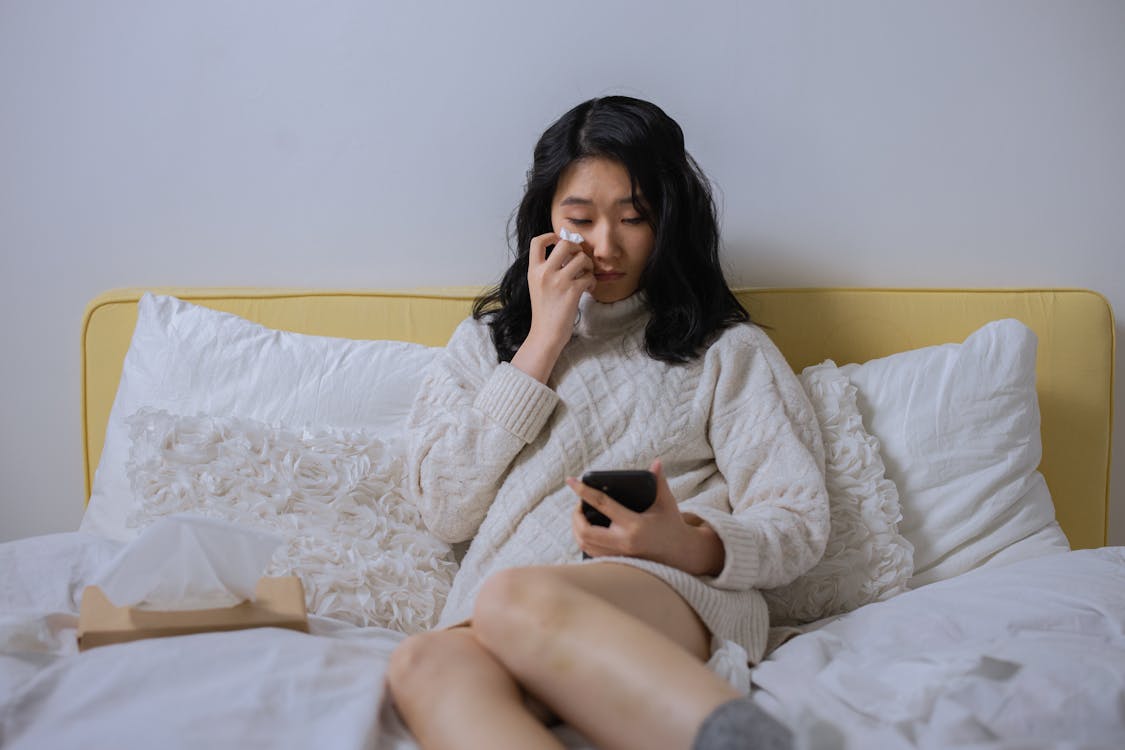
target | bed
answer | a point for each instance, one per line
(984, 424)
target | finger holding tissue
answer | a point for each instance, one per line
(186, 562)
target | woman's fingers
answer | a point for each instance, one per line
(664, 497)
(570, 261)
(579, 267)
(619, 538)
(537, 252)
(599, 500)
(596, 541)
(649, 534)
(593, 540)
(552, 245)
(559, 268)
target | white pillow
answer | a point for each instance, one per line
(866, 559)
(359, 547)
(959, 430)
(192, 360)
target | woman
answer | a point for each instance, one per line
(621, 347)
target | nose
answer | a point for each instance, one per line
(602, 242)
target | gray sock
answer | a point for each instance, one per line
(740, 725)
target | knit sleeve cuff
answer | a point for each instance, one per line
(516, 401)
(740, 568)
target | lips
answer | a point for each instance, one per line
(609, 275)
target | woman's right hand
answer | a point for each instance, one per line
(556, 284)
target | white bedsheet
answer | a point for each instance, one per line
(1028, 655)
(267, 688)
(260, 688)
(1024, 656)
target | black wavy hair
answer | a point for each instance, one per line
(683, 283)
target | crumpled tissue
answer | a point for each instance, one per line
(574, 237)
(186, 562)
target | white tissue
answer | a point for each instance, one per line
(574, 237)
(184, 562)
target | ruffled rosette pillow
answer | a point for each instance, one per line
(357, 544)
(866, 559)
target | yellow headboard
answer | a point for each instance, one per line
(1075, 366)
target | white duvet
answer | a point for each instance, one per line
(1029, 655)
(1023, 656)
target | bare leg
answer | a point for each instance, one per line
(613, 650)
(453, 694)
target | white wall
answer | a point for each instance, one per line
(347, 144)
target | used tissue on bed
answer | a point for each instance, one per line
(189, 574)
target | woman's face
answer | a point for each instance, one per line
(594, 198)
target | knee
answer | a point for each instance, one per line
(417, 665)
(522, 608)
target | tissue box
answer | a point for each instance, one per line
(279, 603)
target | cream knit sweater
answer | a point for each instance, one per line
(490, 448)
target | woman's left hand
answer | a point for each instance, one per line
(662, 533)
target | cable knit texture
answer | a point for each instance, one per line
(490, 448)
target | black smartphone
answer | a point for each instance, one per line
(636, 490)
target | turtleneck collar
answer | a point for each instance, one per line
(597, 319)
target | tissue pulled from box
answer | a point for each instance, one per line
(185, 562)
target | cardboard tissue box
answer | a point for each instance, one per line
(278, 603)
(189, 574)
